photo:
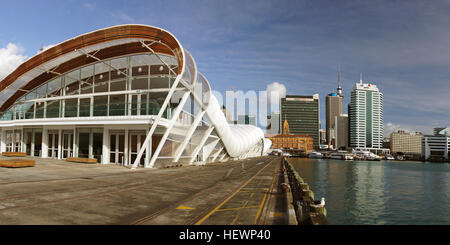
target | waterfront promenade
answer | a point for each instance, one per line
(60, 192)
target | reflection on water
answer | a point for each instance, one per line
(384, 192)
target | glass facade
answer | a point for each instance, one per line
(129, 85)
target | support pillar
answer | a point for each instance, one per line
(174, 117)
(44, 142)
(125, 151)
(148, 151)
(75, 143)
(59, 143)
(217, 154)
(106, 145)
(188, 135)
(202, 142)
(3, 141)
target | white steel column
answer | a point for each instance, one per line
(175, 115)
(156, 121)
(188, 135)
(106, 145)
(221, 158)
(22, 142)
(125, 150)
(217, 154)
(2, 141)
(32, 142)
(210, 149)
(147, 151)
(44, 142)
(75, 146)
(59, 143)
(202, 142)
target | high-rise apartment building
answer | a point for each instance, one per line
(366, 116)
(302, 114)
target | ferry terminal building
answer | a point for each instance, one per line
(128, 95)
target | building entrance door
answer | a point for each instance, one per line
(136, 140)
(67, 144)
(53, 144)
(117, 148)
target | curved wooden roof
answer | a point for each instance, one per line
(107, 35)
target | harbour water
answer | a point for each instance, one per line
(379, 192)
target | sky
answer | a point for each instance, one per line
(401, 46)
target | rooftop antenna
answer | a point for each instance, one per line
(360, 78)
(339, 88)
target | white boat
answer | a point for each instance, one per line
(389, 157)
(373, 157)
(341, 156)
(315, 155)
(337, 155)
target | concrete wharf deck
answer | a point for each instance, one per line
(60, 192)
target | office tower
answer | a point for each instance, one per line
(406, 142)
(302, 114)
(333, 108)
(366, 116)
(436, 146)
(341, 122)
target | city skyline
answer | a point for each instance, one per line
(400, 46)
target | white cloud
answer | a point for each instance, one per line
(10, 58)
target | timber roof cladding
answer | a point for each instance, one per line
(129, 34)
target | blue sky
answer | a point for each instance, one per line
(401, 46)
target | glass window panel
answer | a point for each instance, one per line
(101, 78)
(40, 109)
(72, 82)
(119, 64)
(53, 108)
(118, 85)
(41, 91)
(31, 95)
(87, 79)
(117, 105)
(87, 72)
(100, 105)
(139, 83)
(155, 102)
(54, 87)
(159, 82)
(29, 110)
(144, 104)
(85, 107)
(140, 60)
(70, 107)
